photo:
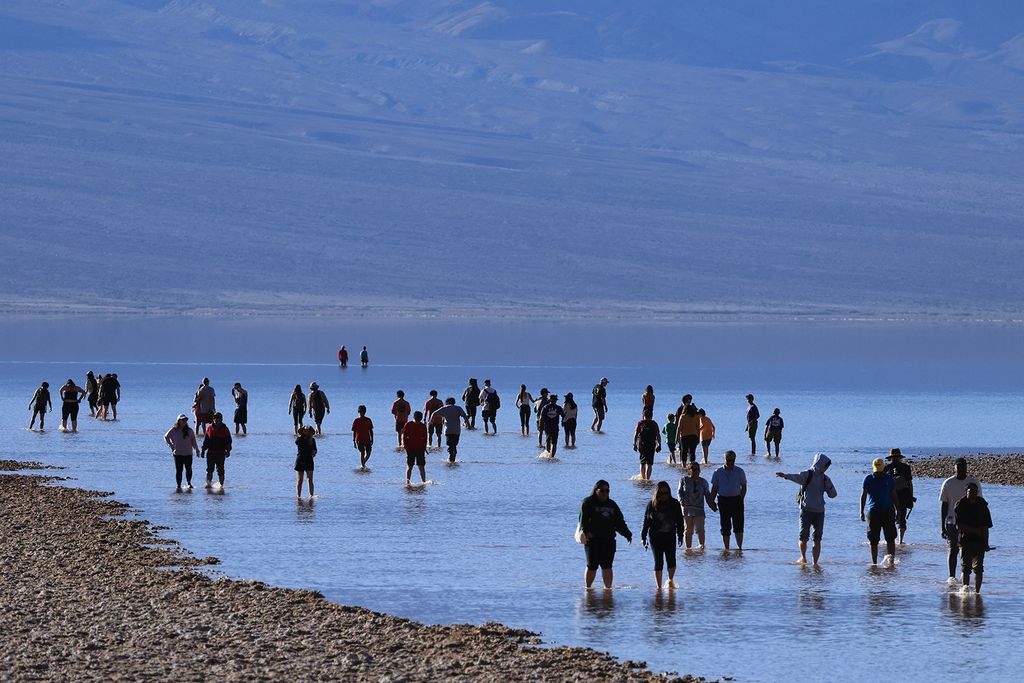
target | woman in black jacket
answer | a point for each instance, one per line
(663, 521)
(600, 520)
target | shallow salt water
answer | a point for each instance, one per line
(492, 538)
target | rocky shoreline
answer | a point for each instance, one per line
(90, 595)
(1007, 469)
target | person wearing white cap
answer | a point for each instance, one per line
(879, 493)
(182, 441)
(600, 404)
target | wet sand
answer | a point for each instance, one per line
(1005, 469)
(88, 596)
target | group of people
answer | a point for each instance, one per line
(887, 496)
(364, 357)
(102, 392)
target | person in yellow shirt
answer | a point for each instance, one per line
(707, 433)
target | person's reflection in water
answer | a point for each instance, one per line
(304, 510)
(968, 610)
(599, 603)
(665, 602)
(811, 600)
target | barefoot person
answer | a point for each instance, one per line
(599, 402)
(538, 405)
(550, 422)
(92, 390)
(773, 427)
(647, 442)
(204, 405)
(600, 519)
(669, 430)
(688, 433)
(814, 486)
(663, 520)
(318, 406)
(647, 401)
(110, 395)
(182, 441)
(471, 401)
(953, 489)
(694, 491)
(489, 403)
(729, 489)
(414, 440)
(241, 397)
(71, 398)
(362, 436)
(878, 493)
(570, 412)
(400, 409)
(434, 422)
(343, 356)
(364, 358)
(39, 404)
(305, 446)
(216, 449)
(753, 415)
(904, 476)
(524, 401)
(297, 407)
(454, 417)
(973, 520)
(707, 433)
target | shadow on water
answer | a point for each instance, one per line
(304, 510)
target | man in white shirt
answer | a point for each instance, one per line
(953, 489)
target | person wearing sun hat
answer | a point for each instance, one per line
(904, 476)
(879, 494)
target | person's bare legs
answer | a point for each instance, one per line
(657, 578)
(767, 448)
(739, 541)
(408, 475)
(671, 577)
(423, 473)
(776, 449)
(803, 552)
(874, 552)
(113, 408)
(589, 575)
(725, 541)
(705, 447)
(890, 547)
(74, 425)
(298, 485)
(606, 576)
(816, 552)
(309, 482)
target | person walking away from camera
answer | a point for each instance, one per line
(707, 433)
(899, 470)
(647, 442)
(570, 412)
(600, 519)
(688, 433)
(182, 441)
(773, 427)
(400, 409)
(297, 407)
(318, 405)
(599, 402)
(814, 486)
(205, 405)
(216, 449)
(490, 402)
(551, 422)
(109, 395)
(454, 417)
(663, 523)
(92, 391)
(647, 401)
(71, 398)
(952, 490)
(471, 400)
(753, 415)
(39, 404)
(878, 492)
(362, 437)
(343, 356)
(524, 401)
(241, 416)
(729, 489)
(414, 440)
(973, 520)
(538, 406)
(434, 422)
(669, 430)
(694, 491)
(364, 358)
(305, 446)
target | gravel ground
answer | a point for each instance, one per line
(87, 596)
(1005, 469)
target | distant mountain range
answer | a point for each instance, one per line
(660, 160)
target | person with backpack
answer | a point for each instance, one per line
(599, 402)
(773, 433)
(551, 421)
(318, 405)
(647, 442)
(694, 491)
(400, 409)
(951, 491)
(663, 523)
(753, 415)
(216, 449)
(297, 407)
(904, 477)
(524, 401)
(39, 404)
(490, 402)
(814, 486)
(570, 412)
(364, 358)
(471, 400)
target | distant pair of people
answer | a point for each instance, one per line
(485, 399)
(316, 406)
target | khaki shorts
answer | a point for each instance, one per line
(694, 524)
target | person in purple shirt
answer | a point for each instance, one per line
(753, 415)
(879, 494)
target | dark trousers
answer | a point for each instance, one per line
(183, 462)
(730, 511)
(453, 446)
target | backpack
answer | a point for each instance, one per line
(493, 402)
(803, 489)
(648, 433)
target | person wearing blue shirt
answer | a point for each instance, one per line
(729, 487)
(879, 494)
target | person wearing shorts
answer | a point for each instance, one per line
(241, 397)
(570, 412)
(435, 423)
(728, 489)
(92, 390)
(454, 417)
(110, 394)
(952, 490)
(688, 433)
(647, 442)
(694, 491)
(663, 522)
(599, 402)
(773, 427)
(297, 407)
(551, 421)
(669, 430)
(707, 433)
(216, 449)
(753, 415)
(490, 403)
(524, 401)
(362, 437)
(319, 406)
(204, 406)
(414, 440)
(471, 400)
(305, 446)
(600, 519)
(904, 477)
(973, 520)
(71, 397)
(400, 409)
(814, 486)
(39, 404)
(879, 493)
(538, 406)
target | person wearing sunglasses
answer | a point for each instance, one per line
(600, 520)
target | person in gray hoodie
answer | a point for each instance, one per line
(814, 484)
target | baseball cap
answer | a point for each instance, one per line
(877, 465)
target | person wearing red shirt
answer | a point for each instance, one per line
(414, 438)
(434, 422)
(343, 357)
(362, 437)
(400, 409)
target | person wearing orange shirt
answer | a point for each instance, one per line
(400, 409)
(707, 433)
